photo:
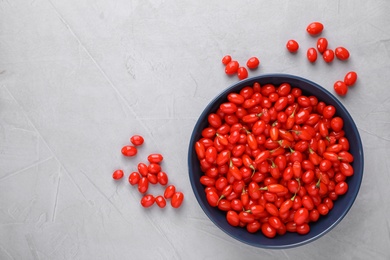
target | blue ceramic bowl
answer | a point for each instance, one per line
(325, 223)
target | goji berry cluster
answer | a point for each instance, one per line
(232, 66)
(341, 53)
(274, 159)
(150, 173)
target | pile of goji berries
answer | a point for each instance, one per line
(149, 173)
(274, 159)
(314, 29)
(233, 67)
(328, 55)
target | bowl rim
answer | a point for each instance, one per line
(249, 82)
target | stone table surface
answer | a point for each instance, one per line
(79, 77)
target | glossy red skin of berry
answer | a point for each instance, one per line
(346, 169)
(224, 205)
(232, 67)
(226, 59)
(328, 55)
(200, 150)
(246, 92)
(337, 124)
(253, 227)
(142, 169)
(311, 55)
(350, 78)
(152, 178)
(340, 88)
(118, 174)
(268, 230)
(232, 218)
(328, 111)
(323, 209)
(246, 217)
(292, 46)
(147, 201)
(177, 199)
(341, 53)
(212, 198)
(214, 120)
(129, 150)
(314, 215)
(284, 89)
(303, 229)
(143, 185)
(301, 215)
(236, 98)
(253, 63)
(160, 201)
(228, 108)
(154, 168)
(322, 45)
(242, 73)
(137, 140)
(155, 158)
(134, 178)
(162, 178)
(275, 222)
(169, 191)
(315, 28)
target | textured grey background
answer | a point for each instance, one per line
(79, 77)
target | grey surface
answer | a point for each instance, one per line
(78, 78)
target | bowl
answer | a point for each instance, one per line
(317, 229)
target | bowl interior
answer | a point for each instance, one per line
(325, 223)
